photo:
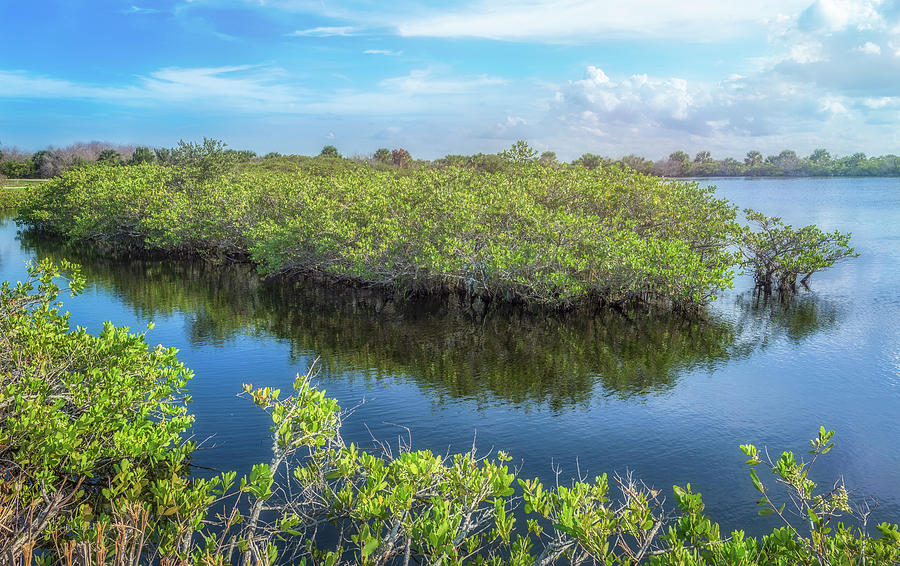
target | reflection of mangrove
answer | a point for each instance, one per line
(516, 357)
(795, 317)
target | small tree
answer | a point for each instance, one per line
(382, 155)
(778, 254)
(520, 152)
(400, 158)
(204, 161)
(110, 157)
(548, 158)
(753, 159)
(589, 161)
(329, 151)
(163, 155)
(141, 155)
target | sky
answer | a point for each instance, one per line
(647, 77)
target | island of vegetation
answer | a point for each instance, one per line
(94, 469)
(526, 233)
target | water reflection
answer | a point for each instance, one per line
(507, 357)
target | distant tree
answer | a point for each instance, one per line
(703, 157)
(240, 155)
(731, 166)
(637, 163)
(39, 158)
(820, 157)
(548, 158)
(382, 155)
(753, 159)
(520, 152)
(141, 155)
(329, 151)
(400, 158)
(589, 161)
(679, 164)
(490, 163)
(272, 155)
(163, 155)
(453, 160)
(788, 162)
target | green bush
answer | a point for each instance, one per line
(11, 199)
(528, 233)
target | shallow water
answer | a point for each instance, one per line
(666, 398)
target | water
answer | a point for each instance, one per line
(667, 399)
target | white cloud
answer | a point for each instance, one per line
(809, 52)
(264, 90)
(881, 102)
(429, 82)
(138, 10)
(566, 21)
(839, 15)
(869, 48)
(244, 88)
(833, 105)
(325, 31)
(382, 52)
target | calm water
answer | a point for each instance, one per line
(670, 400)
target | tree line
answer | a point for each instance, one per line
(52, 161)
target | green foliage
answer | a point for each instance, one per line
(778, 254)
(201, 162)
(528, 233)
(17, 168)
(142, 155)
(382, 155)
(11, 198)
(400, 158)
(110, 157)
(520, 152)
(91, 428)
(548, 158)
(329, 151)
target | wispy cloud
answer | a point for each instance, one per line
(326, 31)
(139, 10)
(382, 52)
(566, 21)
(265, 90)
(246, 88)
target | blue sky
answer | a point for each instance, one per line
(649, 77)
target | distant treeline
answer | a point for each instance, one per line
(52, 161)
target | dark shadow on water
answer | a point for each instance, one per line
(516, 358)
